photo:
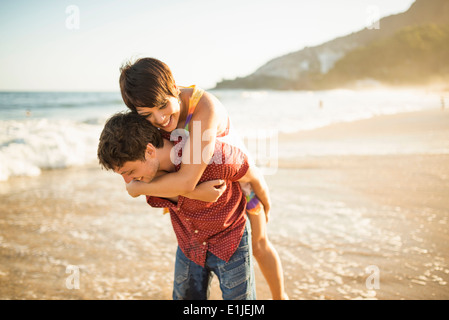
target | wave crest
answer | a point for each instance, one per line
(27, 147)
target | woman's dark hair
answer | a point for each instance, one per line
(146, 83)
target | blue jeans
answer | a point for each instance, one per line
(236, 277)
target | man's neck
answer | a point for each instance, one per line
(163, 155)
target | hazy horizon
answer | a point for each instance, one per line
(46, 49)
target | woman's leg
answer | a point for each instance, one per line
(267, 257)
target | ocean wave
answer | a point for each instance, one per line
(60, 137)
(29, 146)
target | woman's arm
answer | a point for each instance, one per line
(196, 154)
(207, 191)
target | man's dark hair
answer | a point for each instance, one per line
(125, 137)
(146, 83)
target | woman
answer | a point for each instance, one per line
(148, 88)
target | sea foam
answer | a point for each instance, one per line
(28, 146)
(41, 131)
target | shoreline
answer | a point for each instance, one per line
(416, 132)
(395, 123)
(398, 124)
(332, 216)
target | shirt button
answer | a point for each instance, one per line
(196, 231)
(204, 243)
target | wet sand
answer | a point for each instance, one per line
(333, 216)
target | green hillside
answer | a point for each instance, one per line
(409, 48)
(413, 55)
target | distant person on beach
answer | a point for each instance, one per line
(148, 89)
(212, 236)
(442, 103)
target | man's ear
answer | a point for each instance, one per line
(150, 151)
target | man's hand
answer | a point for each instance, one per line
(267, 207)
(208, 191)
(260, 188)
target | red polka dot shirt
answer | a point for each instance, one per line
(211, 226)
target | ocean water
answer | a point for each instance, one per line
(329, 222)
(44, 130)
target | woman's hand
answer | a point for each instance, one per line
(134, 188)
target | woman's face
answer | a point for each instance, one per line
(165, 117)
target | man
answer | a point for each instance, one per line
(212, 236)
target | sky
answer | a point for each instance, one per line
(80, 45)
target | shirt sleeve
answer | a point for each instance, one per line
(156, 202)
(234, 162)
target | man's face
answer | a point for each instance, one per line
(144, 171)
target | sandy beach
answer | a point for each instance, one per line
(383, 203)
